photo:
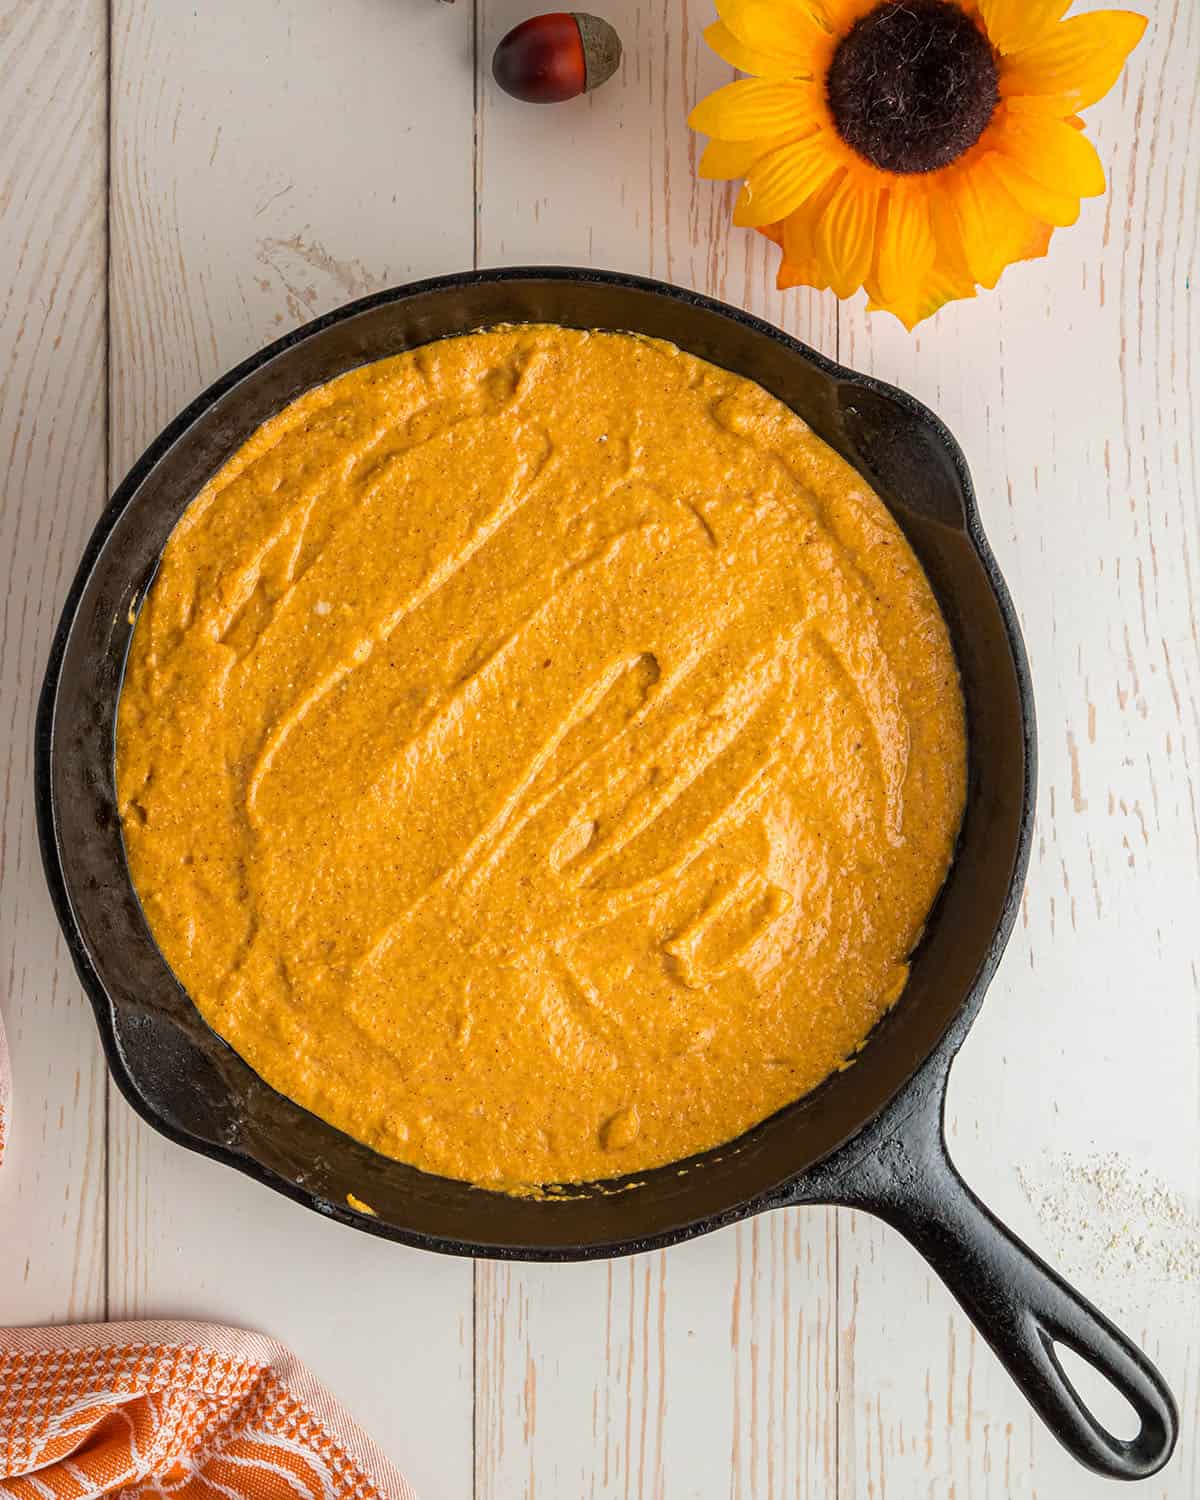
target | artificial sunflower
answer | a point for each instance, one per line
(913, 147)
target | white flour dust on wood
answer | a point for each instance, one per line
(1114, 1221)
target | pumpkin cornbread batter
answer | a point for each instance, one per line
(538, 755)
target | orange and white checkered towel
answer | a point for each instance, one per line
(178, 1411)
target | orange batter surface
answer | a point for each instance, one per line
(538, 755)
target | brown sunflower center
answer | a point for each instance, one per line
(913, 85)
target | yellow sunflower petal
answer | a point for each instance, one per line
(1059, 209)
(938, 288)
(802, 270)
(907, 248)
(1078, 62)
(951, 258)
(994, 229)
(1037, 241)
(784, 29)
(1018, 23)
(790, 275)
(753, 107)
(950, 280)
(840, 15)
(801, 265)
(781, 181)
(795, 237)
(746, 59)
(1052, 152)
(723, 161)
(845, 234)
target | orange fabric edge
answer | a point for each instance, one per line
(156, 1338)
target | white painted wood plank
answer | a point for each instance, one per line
(711, 1369)
(52, 421)
(271, 161)
(703, 1371)
(1074, 1104)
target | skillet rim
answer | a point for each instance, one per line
(810, 1183)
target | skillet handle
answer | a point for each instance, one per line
(1016, 1301)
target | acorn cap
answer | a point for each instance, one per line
(601, 49)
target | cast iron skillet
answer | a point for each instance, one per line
(871, 1137)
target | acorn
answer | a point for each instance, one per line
(554, 57)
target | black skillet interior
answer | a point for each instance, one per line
(190, 1085)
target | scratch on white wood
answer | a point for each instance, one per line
(52, 258)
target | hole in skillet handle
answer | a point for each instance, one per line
(900, 1170)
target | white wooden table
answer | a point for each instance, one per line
(182, 180)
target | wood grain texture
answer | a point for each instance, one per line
(269, 162)
(706, 1370)
(52, 438)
